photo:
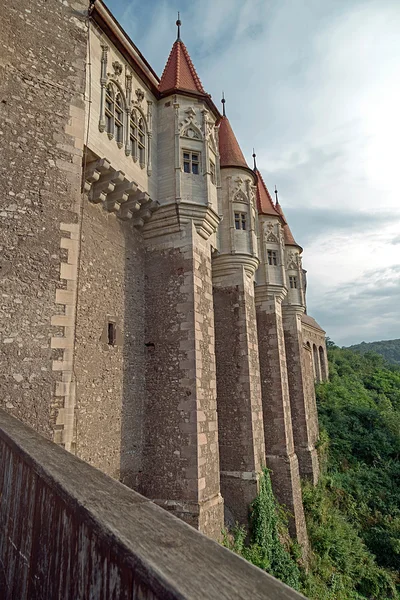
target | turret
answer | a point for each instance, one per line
(187, 144)
(295, 277)
(237, 237)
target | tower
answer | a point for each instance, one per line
(181, 456)
(302, 395)
(241, 436)
(271, 290)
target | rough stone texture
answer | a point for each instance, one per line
(241, 437)
(279, 446)
(181, 461)
(43, 53)
(71, 532)
(110, 379)
(303, 415)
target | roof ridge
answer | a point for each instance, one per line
(262, 208)
(192, 69)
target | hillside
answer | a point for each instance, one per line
(353, 515)
(389, 349)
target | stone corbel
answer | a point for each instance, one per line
(103, 83)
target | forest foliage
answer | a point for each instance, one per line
(389, 349)
(353, 514)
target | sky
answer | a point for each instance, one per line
(314, 87)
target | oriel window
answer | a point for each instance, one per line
(191, 162)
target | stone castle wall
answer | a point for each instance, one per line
(42, 85)
(142, 406)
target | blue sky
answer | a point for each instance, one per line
(314, 86)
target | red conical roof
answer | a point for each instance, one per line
(265, 204)
(179, 72)
(287, 234)
(230, 154)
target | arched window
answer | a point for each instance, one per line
(324, 376)
(109, 109)
(119, 120)
(317, 372)
(138, 138)
(114, 114)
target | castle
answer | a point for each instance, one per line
(154, 306)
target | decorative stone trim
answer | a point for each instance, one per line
(65, 425)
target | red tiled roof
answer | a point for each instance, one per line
(230, 154)
(287, 234)
(265, 204)
(179, 72)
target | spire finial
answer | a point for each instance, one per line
(254, 159)
(276, 196)
(223, 104)
(179, 23)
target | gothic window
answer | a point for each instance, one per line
(114, 114)
(213, 172)
(119, 120)
(293, 282)
(137, 137)
(240, 221)
(272, 257)
(191, 162)
(109, 109)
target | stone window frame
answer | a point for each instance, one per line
(240, 221)
(189, 163)
(213, 172)
(293, 284)
(114, 112)
(272, 257)
(137, 136)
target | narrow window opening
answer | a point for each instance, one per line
(293, 282)
(212, 172)
(112, 334)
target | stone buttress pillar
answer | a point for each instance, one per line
(240, 422)
(180, 455)
(279, 445)
(303, 410)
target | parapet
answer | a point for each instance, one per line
(71, 532)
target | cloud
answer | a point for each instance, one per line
(365, 309)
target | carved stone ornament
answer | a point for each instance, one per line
(117, 66)
(272, 238)
(292, 260)
(240, 196)
(191, 133)
(139, 95)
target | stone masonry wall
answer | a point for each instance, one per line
(181, 460)
(110, 379)
(42, 62)
(241, 435)
(279, 445)
(302, 418)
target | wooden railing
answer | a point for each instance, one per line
(69, 532)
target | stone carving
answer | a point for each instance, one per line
(117, 66)
(240, 196)
(272, 238)
(139, 95)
